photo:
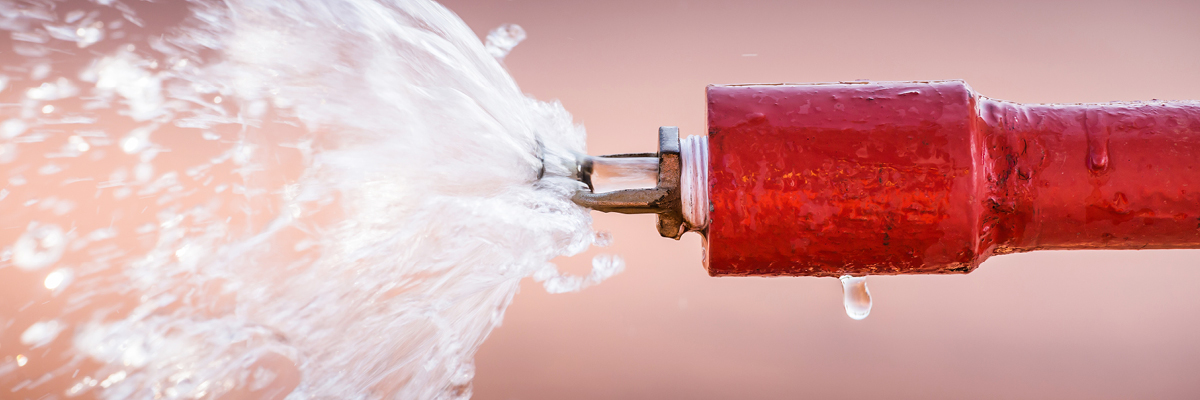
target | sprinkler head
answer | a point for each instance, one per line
(663, 199)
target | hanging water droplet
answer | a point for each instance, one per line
(501, 40)
(855, 296)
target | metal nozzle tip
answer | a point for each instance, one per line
(663, 199)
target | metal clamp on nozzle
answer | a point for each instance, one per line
(663, 199)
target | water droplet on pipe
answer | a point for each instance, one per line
(855, 296)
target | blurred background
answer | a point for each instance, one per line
(1052, 325)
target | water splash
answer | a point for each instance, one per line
(263, 198)
(503, 39)
(604, 266)
(855, 296)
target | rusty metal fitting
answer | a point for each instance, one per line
(663, 199)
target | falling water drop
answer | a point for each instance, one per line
(855, 296)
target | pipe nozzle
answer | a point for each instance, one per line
(663, 199)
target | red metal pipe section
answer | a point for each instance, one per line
(929, 177)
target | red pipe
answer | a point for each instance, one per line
(930, 177)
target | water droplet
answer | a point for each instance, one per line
(62, 207)
(74, 16)
(12, 128)
(78, 143)
(21, 360)
(1097, 141)
(41, 333)
(143, 172)
(57, 279)
(112, 379)
(8, 153)
(49, 169)
(261, 378)
(242, 153)
(39, 72)
(40, 246)
(500, 41)
(604, 266)
(131, 144)
(1097, 154)
(89, 35)
(855, 296)
(74, 390)
(602, 239)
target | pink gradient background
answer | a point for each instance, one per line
(1052, 325)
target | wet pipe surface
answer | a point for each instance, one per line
(929, 177)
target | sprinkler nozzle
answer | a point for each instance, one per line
(663, 199)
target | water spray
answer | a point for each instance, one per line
(886, 178)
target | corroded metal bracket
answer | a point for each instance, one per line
(662, 200)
